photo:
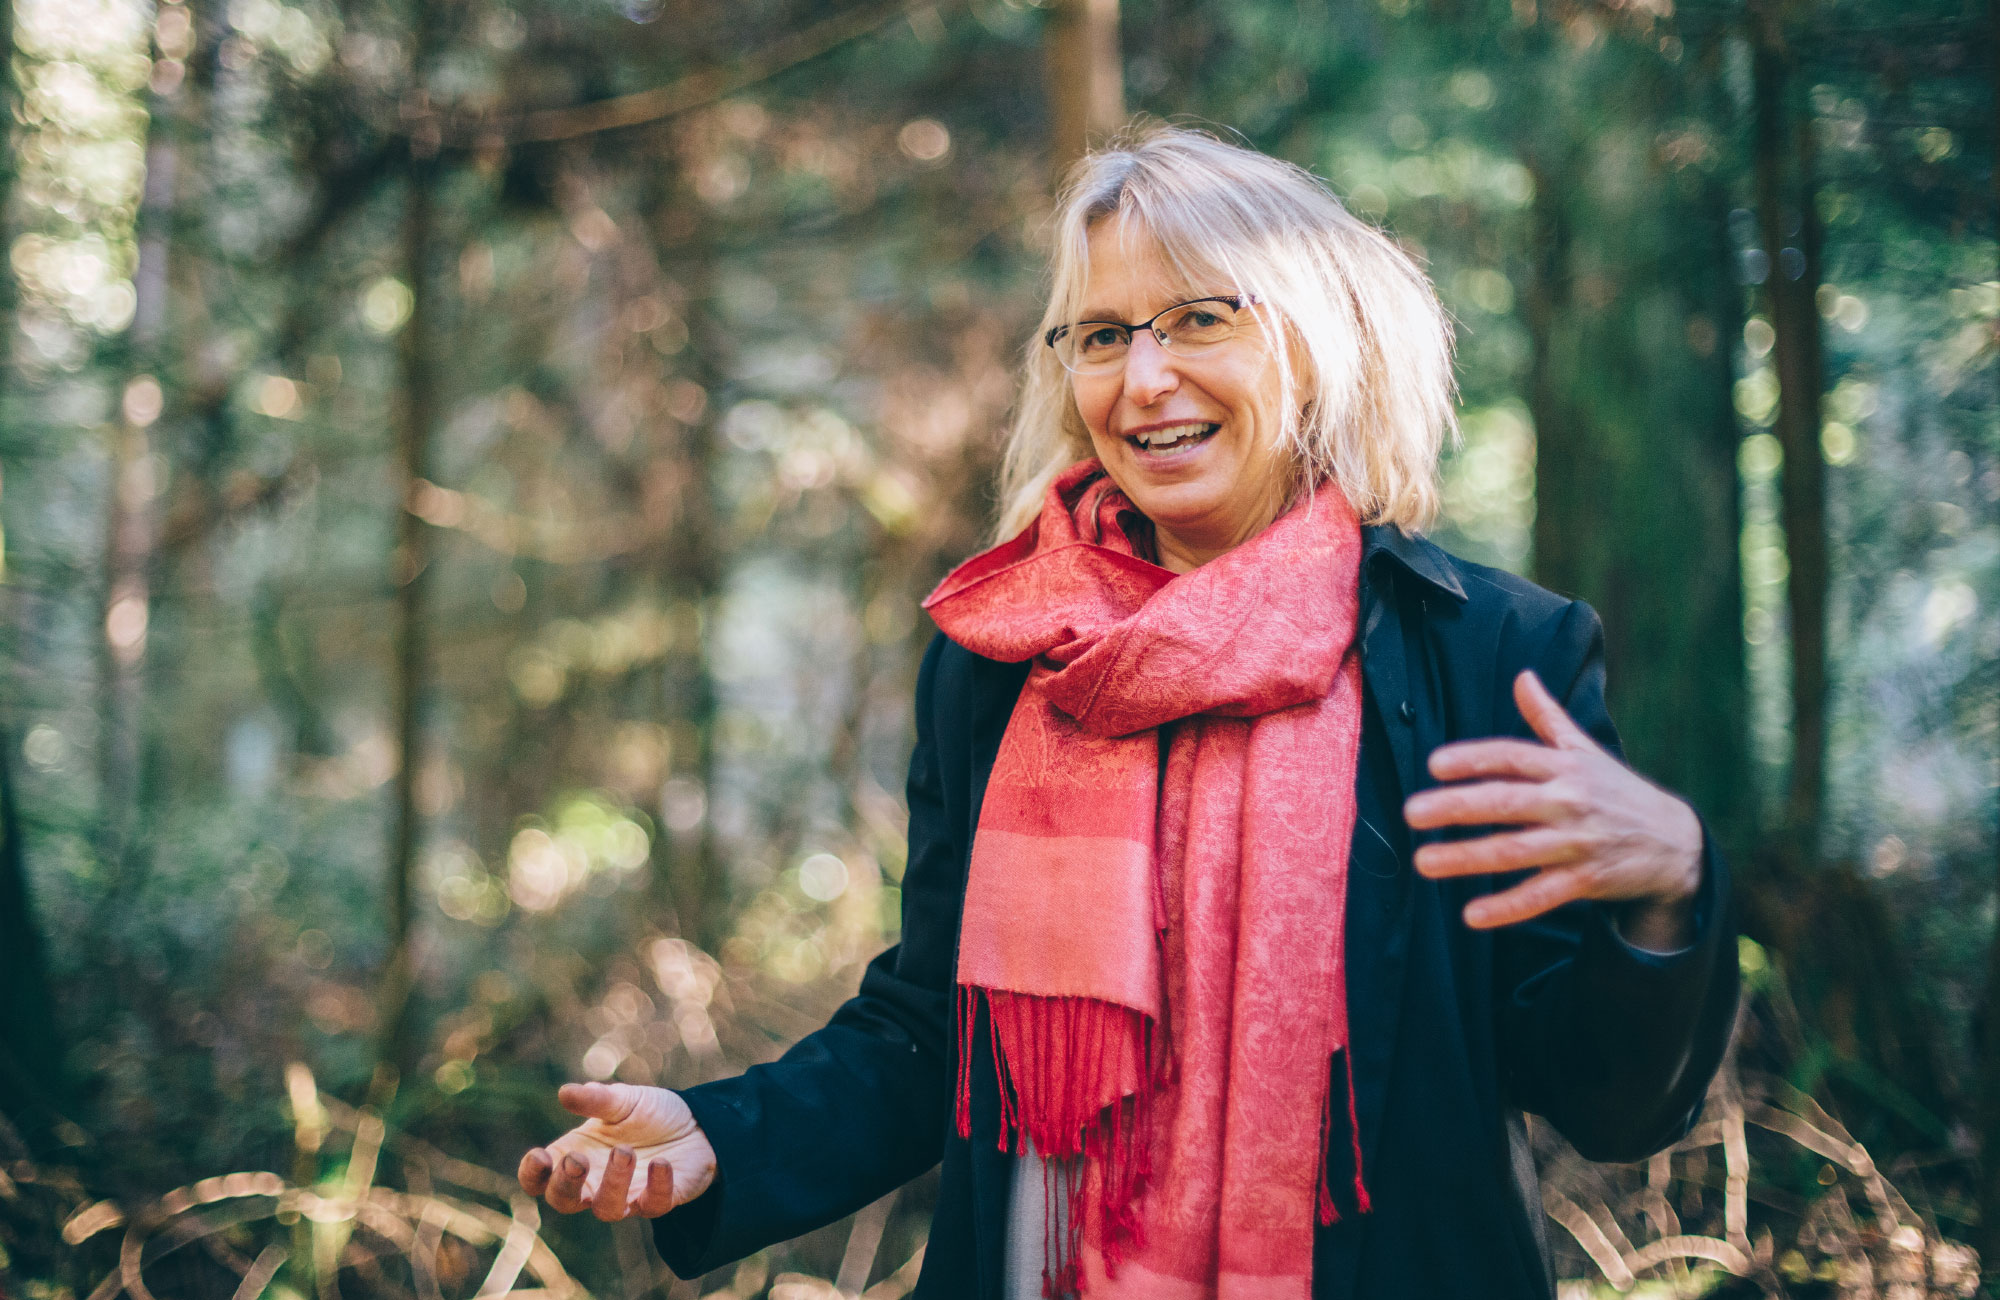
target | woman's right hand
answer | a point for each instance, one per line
(638, 1151)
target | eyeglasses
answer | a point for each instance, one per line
(1185, 329)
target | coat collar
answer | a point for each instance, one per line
(1413, 552)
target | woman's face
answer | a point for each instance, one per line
(1193, 441)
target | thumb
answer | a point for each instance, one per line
(610, 1102)
(1551, 722)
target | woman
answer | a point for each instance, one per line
(1209, 983)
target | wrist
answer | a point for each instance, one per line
(1654, 926)
(704, 1163)
(1664, 920)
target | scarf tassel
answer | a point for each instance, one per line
(1055, 1059)
(1323, 1194)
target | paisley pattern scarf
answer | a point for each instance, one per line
(1154, 917)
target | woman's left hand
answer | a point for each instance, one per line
(1589, 826)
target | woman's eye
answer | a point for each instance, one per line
(1201, 320)
(1103, 337)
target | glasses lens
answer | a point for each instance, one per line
(1191, 327)
(1198, 324)
(1094, 345)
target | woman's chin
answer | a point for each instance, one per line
(1197, 518)
(1186, 484)
(1193, 494)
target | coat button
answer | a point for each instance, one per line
(1407, 712)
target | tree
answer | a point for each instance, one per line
(1630, 304)
(1788, 217)
(417, 402)
(1084, 68)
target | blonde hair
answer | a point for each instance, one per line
(1376, 343)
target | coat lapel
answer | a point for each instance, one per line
(1380, 883)
(1385, 667)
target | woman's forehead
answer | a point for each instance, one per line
(1127, 267)
(1125, 240)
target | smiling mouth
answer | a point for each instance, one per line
(1175, 437)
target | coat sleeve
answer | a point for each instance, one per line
(1613, 1044)
(860, 1107)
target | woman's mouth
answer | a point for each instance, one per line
(1171, 438)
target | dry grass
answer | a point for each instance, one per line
(399, 1218)
(452, 1229)
(366, 1212)
(1714, 1215)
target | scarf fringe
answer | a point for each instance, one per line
(1054, 1059)
(1049, 1061)
(1323, 1192)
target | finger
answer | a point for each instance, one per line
(1521, 759)
(534, 1172)
(610, 1102)
(1549, 719)
(1485, 803)
(1506, 851)
(657, 1196)
(1531, 898)
(565, 1194)
(614, 1191)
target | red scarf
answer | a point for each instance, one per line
(1154, 916)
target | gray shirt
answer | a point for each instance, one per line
(1027, 1221)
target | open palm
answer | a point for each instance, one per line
(638, 1151)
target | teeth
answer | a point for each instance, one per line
(1172, 434)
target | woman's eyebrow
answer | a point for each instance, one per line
(1109, 317)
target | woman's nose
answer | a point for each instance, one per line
(1151, 372)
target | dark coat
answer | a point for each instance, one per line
(1456, 1032)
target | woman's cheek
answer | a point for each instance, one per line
(1093, 410)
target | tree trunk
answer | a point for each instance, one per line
(1564, 480)
(1086, 82)
(132, 519)
(1723, 786)
(30, 1049)
(416, 414)
(1988, 1098)
(1790, 290)
(689, 880)
(10, 145)
(132, 553)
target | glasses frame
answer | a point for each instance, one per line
(1237, 302)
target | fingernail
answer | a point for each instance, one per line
(573, 1167)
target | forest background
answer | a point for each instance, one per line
(470, 467)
